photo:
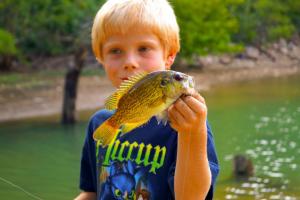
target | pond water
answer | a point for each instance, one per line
(40, 159)
(262, 121)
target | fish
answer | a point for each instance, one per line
(138, 99)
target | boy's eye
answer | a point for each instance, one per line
(115, 51)
(144, 49)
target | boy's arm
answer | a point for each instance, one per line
(192, 174)
(86, 196)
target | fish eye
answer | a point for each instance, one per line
(164, 82)
(178, 77)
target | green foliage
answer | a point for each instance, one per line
(294, 12)
(52, 27)
(206, 26)
(7, 43)
(49, 26)
(263, 21)
(226, 26)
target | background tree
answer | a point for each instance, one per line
(263, 21)
(7, 50)
(72, 76)
(47, 27)
(294, 15)
(206, 26)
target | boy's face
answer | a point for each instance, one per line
(127, 54)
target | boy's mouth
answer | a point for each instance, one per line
(124, 79)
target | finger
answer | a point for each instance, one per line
(183, 108)
(194, 93)
(175, 115)
(198, 97)
(194, 104)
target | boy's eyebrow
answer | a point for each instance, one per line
(111, 44)
(148, 41)
(116, 44)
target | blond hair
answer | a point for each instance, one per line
(121, 16)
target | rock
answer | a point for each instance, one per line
(209, 60)
(275, 46)
(282, 43)
(240, 56)
(270, 53)
(291, 46)
(243, 63)
(283, 47)
(225, 60)
(252, 53)
(197, 62)
(242, 167)
(284, 50)
(296, 52)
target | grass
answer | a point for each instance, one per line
(22, 80)
(36, 79)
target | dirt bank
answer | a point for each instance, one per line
(23, 103)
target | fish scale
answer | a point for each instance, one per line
(138, 103)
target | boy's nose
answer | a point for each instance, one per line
(130, 63)
(130, 67)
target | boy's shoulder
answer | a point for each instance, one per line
(99, 117)
(102, 114)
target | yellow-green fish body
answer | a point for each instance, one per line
(140, 98)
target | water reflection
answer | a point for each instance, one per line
(274, 155)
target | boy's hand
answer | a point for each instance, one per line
(188, 113)
(188, 116)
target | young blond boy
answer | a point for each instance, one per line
(176, 161)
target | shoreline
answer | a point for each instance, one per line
(92, 91)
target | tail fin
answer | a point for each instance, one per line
(105, 133)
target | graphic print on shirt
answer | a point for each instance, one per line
(125, 169)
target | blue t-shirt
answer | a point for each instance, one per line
(138, 165)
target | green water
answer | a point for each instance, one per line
(260, 119)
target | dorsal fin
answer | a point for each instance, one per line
(112, 101)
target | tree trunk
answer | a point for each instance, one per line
(70, 88)
(5, 62)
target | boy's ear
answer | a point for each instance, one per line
(170, 60)
(99, 60)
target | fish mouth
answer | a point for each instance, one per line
(188, 83)
(191, 82)
(186, 92)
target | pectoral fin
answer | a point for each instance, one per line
(162, 117)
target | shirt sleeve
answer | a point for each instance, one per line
(88, 163)
(213, 164)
